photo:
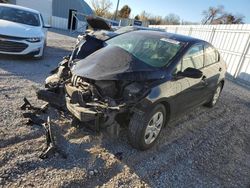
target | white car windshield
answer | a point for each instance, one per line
(19, 16)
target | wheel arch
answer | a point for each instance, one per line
(167, 106)
(222, 83)
(146, 105)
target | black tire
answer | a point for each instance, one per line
(138, 125)
(212, 103)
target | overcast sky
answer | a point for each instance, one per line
(188, 10)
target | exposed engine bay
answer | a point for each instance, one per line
(98, 102)
(89, 99)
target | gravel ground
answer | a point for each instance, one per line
(205, 148)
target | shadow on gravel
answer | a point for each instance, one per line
(206, 147)
(17, 139)
(65, 32)
(203, 147)
(32, 69)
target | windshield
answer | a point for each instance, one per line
(154, 50)
(19, 16)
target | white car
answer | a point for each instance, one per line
(22, 31)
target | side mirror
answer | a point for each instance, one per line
(47, 26)
(191, 73)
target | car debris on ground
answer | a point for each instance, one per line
(32, 118)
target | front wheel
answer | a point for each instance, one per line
(144, 130)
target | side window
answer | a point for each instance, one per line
(193, 58)
(211, 56)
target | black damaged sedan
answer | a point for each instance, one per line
(142, 79)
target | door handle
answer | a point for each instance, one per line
(204, 80)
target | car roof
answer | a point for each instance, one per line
(19, 7)
(144, 28)
(177, 37)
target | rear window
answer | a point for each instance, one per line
(19, 16)
(211, 55)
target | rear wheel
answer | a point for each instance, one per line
(144, 130)
(215, 97)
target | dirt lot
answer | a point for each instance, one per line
(206, 148)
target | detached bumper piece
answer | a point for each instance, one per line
(50, 148)
(32, 118)
(85, 115)
(55, 99)
(27, 106)
(82, 113)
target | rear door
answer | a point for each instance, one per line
(212, 69)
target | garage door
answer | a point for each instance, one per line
(43, 6)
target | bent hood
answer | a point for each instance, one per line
(114, 63)
(9, 28)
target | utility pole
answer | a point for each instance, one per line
(116, 11)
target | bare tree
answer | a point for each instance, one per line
(109, 15)
(101, 7)
(184, 22)
(172, 19)
(155, 20)
(125, 12)
(217, 15)
(233, 19)
(211, 14)
(144, 16)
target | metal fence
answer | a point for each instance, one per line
(233, 42)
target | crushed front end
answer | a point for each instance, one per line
(104, 103)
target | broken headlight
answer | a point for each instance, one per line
(133, 91)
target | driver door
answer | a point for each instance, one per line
(189, 91)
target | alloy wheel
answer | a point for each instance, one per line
(153, 128)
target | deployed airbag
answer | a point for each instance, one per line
(115, 63)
